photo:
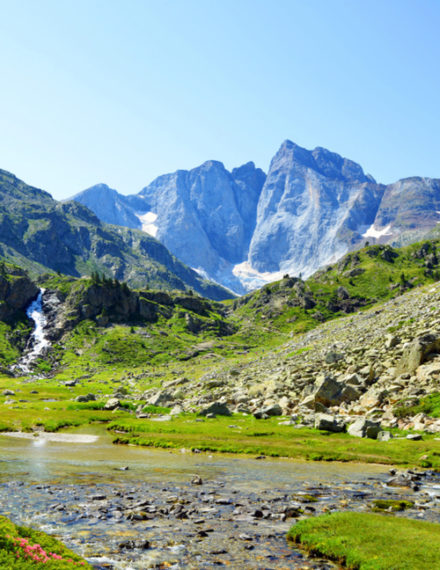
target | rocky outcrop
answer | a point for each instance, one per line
(16, 292)
(109, 301)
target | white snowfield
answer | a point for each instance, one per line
(148, 226)
(372, 232)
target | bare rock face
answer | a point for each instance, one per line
(16, 292)
(244, 229)
(311, 207)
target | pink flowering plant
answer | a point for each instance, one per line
(22, 548)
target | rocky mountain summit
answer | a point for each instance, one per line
(244, 229)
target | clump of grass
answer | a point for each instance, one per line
(391, 505)
(429, 405)
(365, 541)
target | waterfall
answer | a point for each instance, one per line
(38, 342)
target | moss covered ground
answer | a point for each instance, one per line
(370, 541)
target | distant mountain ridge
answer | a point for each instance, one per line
(39, 233)
(244, 228)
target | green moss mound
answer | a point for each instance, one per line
(24, 548)
(370, 541)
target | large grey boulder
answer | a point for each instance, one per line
(216, 409)
(161, 398)
(327, 422)
(112, 404)
(415, 354)
(329, 392)
(364, 428)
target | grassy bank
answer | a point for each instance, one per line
(370, 541)
(24, 548)
(245, 434)
(47, 404)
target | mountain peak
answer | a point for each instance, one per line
(97, 189)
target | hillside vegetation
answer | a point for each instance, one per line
(125, 356)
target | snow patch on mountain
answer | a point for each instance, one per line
(147, 220)
(251, 278)
(372, 232)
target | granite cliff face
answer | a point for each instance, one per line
(205, 216)
(311, 209)
(243, 228)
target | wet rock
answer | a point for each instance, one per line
(98, 497)
(127, 545)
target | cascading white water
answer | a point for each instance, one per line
(38, 341)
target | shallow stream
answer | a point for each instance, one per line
(126, 507)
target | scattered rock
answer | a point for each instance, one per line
(112, 404)
(364, 428)
(217, 408)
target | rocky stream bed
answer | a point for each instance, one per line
(156, 509)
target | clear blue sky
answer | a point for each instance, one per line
(123, 91)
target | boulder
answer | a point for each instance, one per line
(330, 392)
(373, 398)
(308, 402)
(272, 410)
(111, 404)
(161, 398)
(327, 422)
(332, 357)
(416, 353)
(384, 436)
(217, 409)
(85, 398)
(327, 391)
(364, 428)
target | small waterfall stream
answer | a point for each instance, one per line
(38, 342)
